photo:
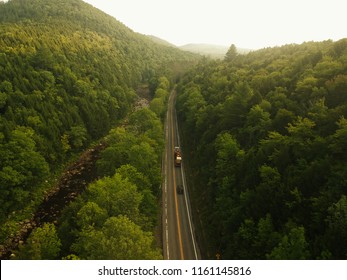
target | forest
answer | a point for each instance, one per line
(69, 75)
(264, 137)
(267, 152)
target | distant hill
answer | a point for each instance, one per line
(214, 51)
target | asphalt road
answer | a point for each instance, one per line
(178, 231)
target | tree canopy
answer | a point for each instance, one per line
(69, 74)
(267, 146)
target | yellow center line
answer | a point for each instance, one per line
(175, 194)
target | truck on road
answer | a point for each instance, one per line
(177, 156)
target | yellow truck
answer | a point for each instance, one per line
(177, 156)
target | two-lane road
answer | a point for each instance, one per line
(178, 231)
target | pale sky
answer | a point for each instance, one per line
(250, 24)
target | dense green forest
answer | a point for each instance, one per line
(116, 216)
(265, 139)
(69, 74)
(267, 152)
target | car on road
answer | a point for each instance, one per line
(179, 189)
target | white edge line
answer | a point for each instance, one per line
(165, 195)
(185, 191)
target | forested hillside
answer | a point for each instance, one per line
(68, 74)
(266, 135)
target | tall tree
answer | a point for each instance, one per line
(231, 54)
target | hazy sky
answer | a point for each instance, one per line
(245, 23)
